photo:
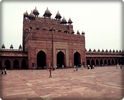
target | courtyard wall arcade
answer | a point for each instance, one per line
(17, 59)
(103, 58)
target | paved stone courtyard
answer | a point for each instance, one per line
(101, 83)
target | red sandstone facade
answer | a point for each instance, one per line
(52, 42)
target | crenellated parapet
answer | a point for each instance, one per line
(11, 48)
(104, 51)
(35, 24)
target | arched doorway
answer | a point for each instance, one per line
(7, 64)
(77, 59)
(97, 62)
(23, 64)
(109, 62)
(105, 62)
(113, 62)
(60, 59)
(92, 62)
(16, 64)
(88, 62)
(101, 62)
(41, 60)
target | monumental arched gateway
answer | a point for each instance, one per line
(52, 41)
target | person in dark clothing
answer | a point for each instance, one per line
(4, 70)
(77, 68)
(50, 70)
(120, 66)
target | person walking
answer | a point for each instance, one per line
(77, 68)
(74, 68)
(50, 71)
(4, 70)
(120, 66)
(82, 66)
(88, 66)
(117, 66)
(1, 69)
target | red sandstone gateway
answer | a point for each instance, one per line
(47, 40)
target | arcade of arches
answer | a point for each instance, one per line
(14, 63)
(104, 61)
(22, 63)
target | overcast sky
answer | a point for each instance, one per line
(101, 21)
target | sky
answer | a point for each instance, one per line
(101, 21)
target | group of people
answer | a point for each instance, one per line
(3, 69)
(82, 67)
(90, 66)
(119, 66)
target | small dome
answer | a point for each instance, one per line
(90, 50)
(102, 50)
(11, 47)
(63, 21)
(119, 51)
(110, 50)
(47, 13)
(106, 50)
(35, 12)
(116, 50)
(83, 33)
(98, 50)
(31, 16)
(3, 46)
(20, 47)
(94, 50)
(26, 14)
(113, 50)
(69, 21)
(78, 32)
(58, 16)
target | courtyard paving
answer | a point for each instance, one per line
(101, 83)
